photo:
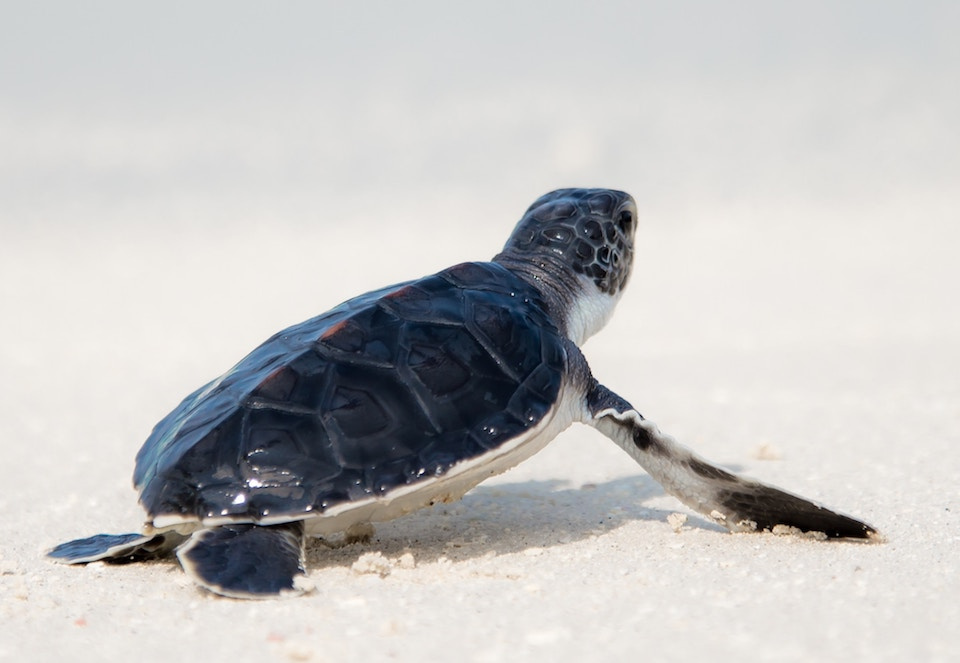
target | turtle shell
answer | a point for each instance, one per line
(386, 390)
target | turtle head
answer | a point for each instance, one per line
(576, 247)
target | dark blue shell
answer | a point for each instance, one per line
(388, 389)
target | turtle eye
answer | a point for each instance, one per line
(625, 221)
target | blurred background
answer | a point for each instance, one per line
(234, 114)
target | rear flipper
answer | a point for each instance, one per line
(116, 548)
(738, 503)
(246, 561)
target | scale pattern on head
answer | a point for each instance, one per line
(588, 230)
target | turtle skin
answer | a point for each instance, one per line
(388, 389)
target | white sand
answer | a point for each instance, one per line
(569, 556)
(173, 194)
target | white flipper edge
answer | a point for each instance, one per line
(738, 503)
(247, 561)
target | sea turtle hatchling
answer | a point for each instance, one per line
(409, 396)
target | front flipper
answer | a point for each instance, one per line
(246, 561)
(116, 548)
(738, 503)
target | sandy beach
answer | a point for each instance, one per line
(792, 316)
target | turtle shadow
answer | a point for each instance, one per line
(507, 518)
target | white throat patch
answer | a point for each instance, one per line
(590, 311)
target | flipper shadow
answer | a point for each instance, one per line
(507, 518)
